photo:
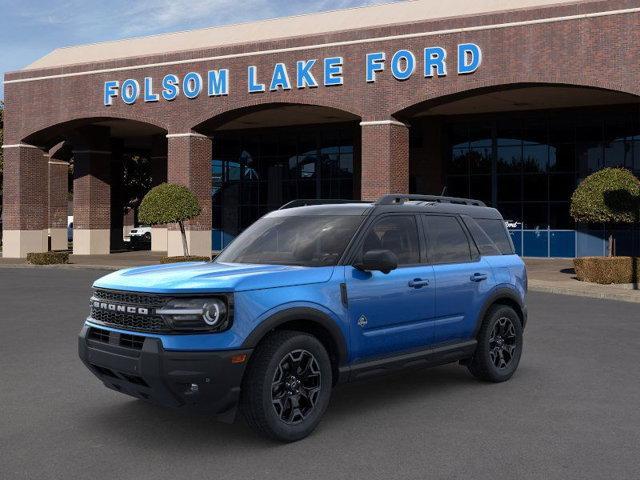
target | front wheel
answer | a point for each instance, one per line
(287, 386)
(499, 345)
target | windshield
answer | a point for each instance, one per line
(312, 241)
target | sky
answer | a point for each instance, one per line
(29, 29)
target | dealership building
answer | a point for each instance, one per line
(511, 102)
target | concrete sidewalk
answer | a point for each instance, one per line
(556, 275)
(545, 274)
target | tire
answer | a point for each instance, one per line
(270, 394)
(499, 345)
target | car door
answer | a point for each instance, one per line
(463, 279)
(391, 312)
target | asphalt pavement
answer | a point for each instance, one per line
(571, 410)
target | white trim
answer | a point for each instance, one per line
(100, 152)
(190, 134)
(21, 145)
(383, 122)
(329, 45)
(58, 162)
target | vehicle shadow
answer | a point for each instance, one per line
(194, 431)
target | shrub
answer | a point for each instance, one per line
(48, 258)
(611, 195)
(607, 270)
(170, 203)
(191, 258)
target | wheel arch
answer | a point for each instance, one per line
(307, 320)
(503, 296)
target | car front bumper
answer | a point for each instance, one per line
(139, 366)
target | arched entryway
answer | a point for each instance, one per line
(523, 149)
(112, 162)
(264, 156)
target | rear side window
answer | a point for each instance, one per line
(485, 245)
(447, 242)
(497, 232)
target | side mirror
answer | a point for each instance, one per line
(381, 260)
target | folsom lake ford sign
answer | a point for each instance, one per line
(309, 73)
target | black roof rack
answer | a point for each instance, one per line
(304, 202)
(393, 199)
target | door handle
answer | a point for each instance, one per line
(478, 277)
(418, 283)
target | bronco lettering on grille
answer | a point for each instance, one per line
(119, 308)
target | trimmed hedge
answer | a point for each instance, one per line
(607, 270)
(190, 258)
(48, 258)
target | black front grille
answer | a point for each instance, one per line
(127, 320)
(131, 341)
(99, 335)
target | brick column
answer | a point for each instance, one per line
(159, 175)
(385, 158)
(189, 164)
(58, 191)
(25, 212)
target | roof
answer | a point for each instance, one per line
(286, 27)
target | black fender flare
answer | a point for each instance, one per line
(306, 314)
(501, 293)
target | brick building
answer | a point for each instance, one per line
(511, 102)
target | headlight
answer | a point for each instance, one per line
(196, 314)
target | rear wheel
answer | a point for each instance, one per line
(499, 345)
(287, 386)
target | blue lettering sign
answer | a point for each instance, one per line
(280, 78)
(469, 58)
(218, 82)
(375, 63)
(254, 87)
(110, 92)
(192, 85)
(304, 77)
(130, 91)
(333, 71)
(149, 96)
(170, 87)
(434, 59)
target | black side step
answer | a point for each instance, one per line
(430, 357)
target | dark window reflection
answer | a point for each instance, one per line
(256, 171)
(539, 158)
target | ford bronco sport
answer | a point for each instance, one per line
(310, 296)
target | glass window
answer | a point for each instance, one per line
(313, 241)
(485, 245)
(510, 159)
(397, 234)
(447, 242)
(497, 232)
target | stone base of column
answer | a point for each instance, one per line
(91, 242)
(159, 239)
(198, 241)
(17, 243)
(58, 238)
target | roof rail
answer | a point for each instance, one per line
(304, 202)
(395, 198)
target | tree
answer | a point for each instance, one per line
(611, 195)
(170, 203)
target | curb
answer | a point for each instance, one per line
(630, 297)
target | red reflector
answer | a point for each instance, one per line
(241, 358)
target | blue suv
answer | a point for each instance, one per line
(308, 297)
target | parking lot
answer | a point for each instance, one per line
(571, 411)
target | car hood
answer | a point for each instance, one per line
(207, 277)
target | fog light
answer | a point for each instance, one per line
(193, 388)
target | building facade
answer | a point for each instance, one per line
(512, 107)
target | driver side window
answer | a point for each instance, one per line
(396, 233)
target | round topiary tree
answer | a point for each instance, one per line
(170, 203)
(611, 195)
